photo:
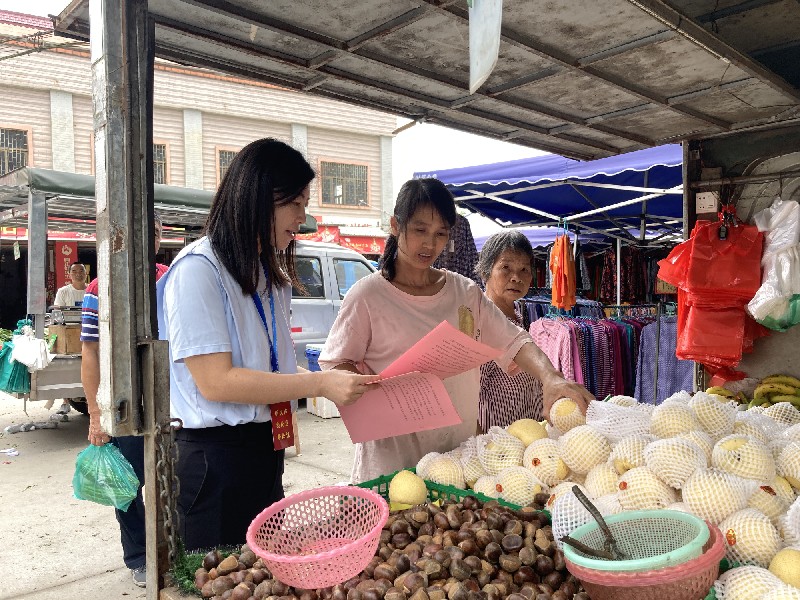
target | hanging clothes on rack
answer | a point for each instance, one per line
(674, 375)
(461, 254)
(562, 266)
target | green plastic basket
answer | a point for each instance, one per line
(436, 491)
(653, 538)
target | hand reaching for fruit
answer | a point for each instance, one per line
(557, 388)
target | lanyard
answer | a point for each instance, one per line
(272, 339)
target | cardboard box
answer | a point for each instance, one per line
(68, 340)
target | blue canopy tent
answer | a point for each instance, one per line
(635, 197)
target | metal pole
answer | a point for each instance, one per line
(658, 349)
(619, 270)
(37, 260)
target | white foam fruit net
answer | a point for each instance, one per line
(744, 456)
(565, 487)
(714, 495)
(446, 470)
(682, 397)
(790, 524)
(602, 479)
(776, 446)
(788, 464)
(746, 583)
(703, 441)
(640, 489)
(616, 422)
(629, 452)
(518, 485)
(784, 413)
(608, 504)
(770, 500)
(715, 417)
(623, 400)
(498, 450)
(424, 463)
(753, 425)
(565, 415)
(471, 462)
(792, 434)
(680, 507)
(671, 419)
(487, 485)
(544, 461)
(674, 460)
(750, 537)
(582, 447)
(784, 592)
(567, 514)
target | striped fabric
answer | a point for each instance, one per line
(504, 398)
(89, 308)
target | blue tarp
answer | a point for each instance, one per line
(658, 168)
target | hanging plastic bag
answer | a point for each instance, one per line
(780, 224)
(31, 352)
(103, 475)
(14, 376)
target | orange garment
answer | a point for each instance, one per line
(562, 267)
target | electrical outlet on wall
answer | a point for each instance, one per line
(706, 202)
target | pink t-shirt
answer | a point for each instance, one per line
(378, 322)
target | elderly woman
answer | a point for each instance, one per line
(506, 267)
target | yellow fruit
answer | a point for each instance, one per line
(720, 391)
(518, 485)
(714, 495)
(750, 537)
(668, 420)
(487, 485)
(786, 565)
(543, 459)
(784, 379)
(703, 441)
(767, 389)
(629, 452)
(407, 488)
(767, 500)
(582, 448)
(527, 431)
(785, 592)
(791, 399)
(745, 457)
(640, 489)
(446, 470)
(565, 415)
(746, 583)
(601, 480)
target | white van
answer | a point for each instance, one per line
(327, 271)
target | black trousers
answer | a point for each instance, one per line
(227, 476)
(131, 521)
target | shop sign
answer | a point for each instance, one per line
(66, 253)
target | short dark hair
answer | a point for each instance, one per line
(509, 239)
(264, 174)
(77, 262)
(416, 194)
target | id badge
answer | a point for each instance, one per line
(282, 430)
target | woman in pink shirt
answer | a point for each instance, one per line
(386, 313)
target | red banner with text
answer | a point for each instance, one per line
(66, 253)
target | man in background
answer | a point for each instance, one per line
(131, 522)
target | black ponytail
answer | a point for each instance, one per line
(388, 268)
(416, 194)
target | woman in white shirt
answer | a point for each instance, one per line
(224, 307)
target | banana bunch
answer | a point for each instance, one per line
(777, 388)
(739, 397)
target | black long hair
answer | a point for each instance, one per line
(416, 194)
(264, 174)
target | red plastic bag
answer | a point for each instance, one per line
(730, 267)
(712, 336)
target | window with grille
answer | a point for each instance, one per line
(225, 159)
(160, 163)
(13, 149)
(344, 184)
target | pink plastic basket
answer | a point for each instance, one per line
(688, 581)
(320, 537)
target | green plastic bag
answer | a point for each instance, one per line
(14, 376)
(104, 476)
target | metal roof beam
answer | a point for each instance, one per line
(712, 44)
(594, 204)
(661, 36)
(736, 9)
(562, 59)
(617, 205)
(320, 64)
(388, 27)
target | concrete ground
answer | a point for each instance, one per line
(55, 547)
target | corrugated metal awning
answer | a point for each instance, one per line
(581, 79)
